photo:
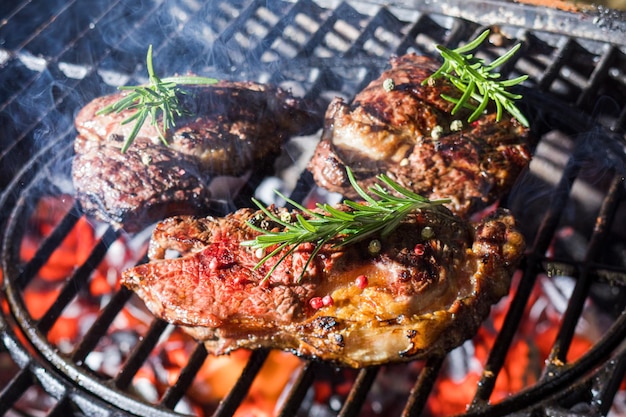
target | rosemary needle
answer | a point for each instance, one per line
(381, 212)
(477, 80)
(158, 98)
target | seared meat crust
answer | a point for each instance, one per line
(391, 132)
(145, 184)
(233, 127)
(425, 294)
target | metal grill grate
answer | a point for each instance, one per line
(56, 55)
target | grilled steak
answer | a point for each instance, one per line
(422, 294)
(395, 131)
(232, 127)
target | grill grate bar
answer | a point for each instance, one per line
(14, 11)
(62, 408)
(220, 50)
(558, 355)
(620, 122)
(322, 31)
(29, 169)
(139, 354)
(48, 246)
(358, 393)
(27, 131)
(78, 281)
(172, 42)
(303, 187)
(613, 382)
(231, 402)
(301, 385)
(382, 20)
(613, 275)
(42, 25)
(569, 375)
(274, 33)
(598, 76)
(15, 388)
(424, 25)
(338, 36)
(560, 56)
(174, 393)
(101, 324)
(516, 309)
(245, 16)
(408, 40)
(53, 60)
(423, 386)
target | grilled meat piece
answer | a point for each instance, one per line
(423, 294)
(391, 131)
(141, 186)
(232, 127)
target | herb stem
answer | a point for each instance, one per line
(478, 81)
(157, 99)
(382, 212)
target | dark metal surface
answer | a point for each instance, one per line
(55, 56)
(597, 23)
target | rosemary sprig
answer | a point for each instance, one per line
(159, 97)
(381, 213)
(476, 80)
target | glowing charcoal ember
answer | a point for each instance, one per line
(525, 359)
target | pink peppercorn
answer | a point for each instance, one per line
(316, 303)
(419, 249)
(327, 300)
(361, 281)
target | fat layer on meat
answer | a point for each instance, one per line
(395, 131)
(232, 127)
(425, 292)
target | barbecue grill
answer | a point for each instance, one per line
(57, 55)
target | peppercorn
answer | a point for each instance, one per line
(361, 281)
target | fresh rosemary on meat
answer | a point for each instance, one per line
(158, 98)
(381, 212)
(477, 80)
